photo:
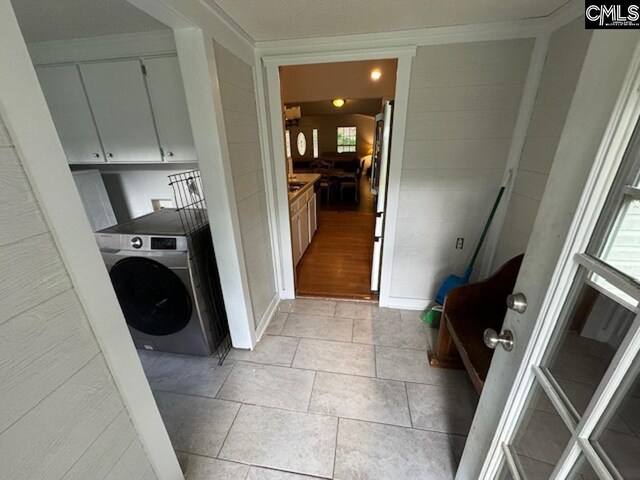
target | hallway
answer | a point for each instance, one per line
(337, 264)
(333, 390)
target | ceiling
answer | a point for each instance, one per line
(286, 19)
(47, 20)
(361, 106)
(325, 81)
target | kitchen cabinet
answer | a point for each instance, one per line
(313, 217)
(295, 238)
(69, 107)
(304, 228)
(118, 97)
(303, 223)
(170, 108)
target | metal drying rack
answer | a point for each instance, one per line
(192, 209)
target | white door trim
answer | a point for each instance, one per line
(609, 156)
(23, 106)
(527, 103)
(277, 169)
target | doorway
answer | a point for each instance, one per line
(333, 116)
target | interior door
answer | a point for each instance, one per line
(575, 409)
(120, 102)
(67, 102)
(170, 108)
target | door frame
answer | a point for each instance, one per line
(271, 64)
(608, 159)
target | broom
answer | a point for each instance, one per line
(432, 315)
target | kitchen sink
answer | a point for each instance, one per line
(294, 186)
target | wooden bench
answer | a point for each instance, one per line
(468, 311)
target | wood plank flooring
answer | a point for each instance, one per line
(337, 264)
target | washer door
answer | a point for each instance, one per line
(152, 297)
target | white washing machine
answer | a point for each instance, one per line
(158, 286)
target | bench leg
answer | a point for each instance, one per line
(446, 354)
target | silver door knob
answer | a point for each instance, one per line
(492, 339)
(517, 302)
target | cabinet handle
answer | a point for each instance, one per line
(96, 155)
(110, 155)
(169, 154)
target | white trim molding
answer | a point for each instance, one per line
(199, 73)
(103, 48)
(268, 315)
(23, 106)
(179, 14)
(529, 94)
(277, 169)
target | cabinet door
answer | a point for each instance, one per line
(67, 102)
(295, 238)
(313, 217)
(304, 228)
(170, 109)
(95, 199)
(120, 103)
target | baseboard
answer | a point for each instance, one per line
(409, 303)
(267, 316)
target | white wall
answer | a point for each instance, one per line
(237, 91)
(597, 90)
(566, 52)
(132, 187)
(463, 103)
(62, 414)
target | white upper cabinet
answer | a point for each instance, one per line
(120, 103)
(170, 108)
(71, 114)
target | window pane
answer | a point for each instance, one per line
(618, 435)
(591, 330)
(287, 143)
(622, 250)
(583, 470)
(542, 437)
(347, 139)
(315, 143)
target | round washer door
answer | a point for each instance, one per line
(152, 297)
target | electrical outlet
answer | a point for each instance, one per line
(459, 243)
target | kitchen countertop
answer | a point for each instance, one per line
(308, 178)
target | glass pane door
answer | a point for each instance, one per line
(582, 415)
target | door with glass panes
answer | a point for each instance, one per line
(574, 411)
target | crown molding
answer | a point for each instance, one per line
(103, 47)
(526, 28)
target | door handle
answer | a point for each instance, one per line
(517, 302)
(492, 339)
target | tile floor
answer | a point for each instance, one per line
(337, 390)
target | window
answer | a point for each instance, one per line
(301, 143)
(287, 142)
(346, 139)
(315, 143)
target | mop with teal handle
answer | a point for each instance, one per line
(432, 315)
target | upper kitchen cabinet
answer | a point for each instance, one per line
(120, 103)
(67, 101)
(170, 108)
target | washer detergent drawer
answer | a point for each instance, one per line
(168, 259)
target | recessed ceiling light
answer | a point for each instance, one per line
(376, 74)
(338, 102)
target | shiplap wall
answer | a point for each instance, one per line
(61, 415)
(241, 123)
(567, 49)
(463, 104)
